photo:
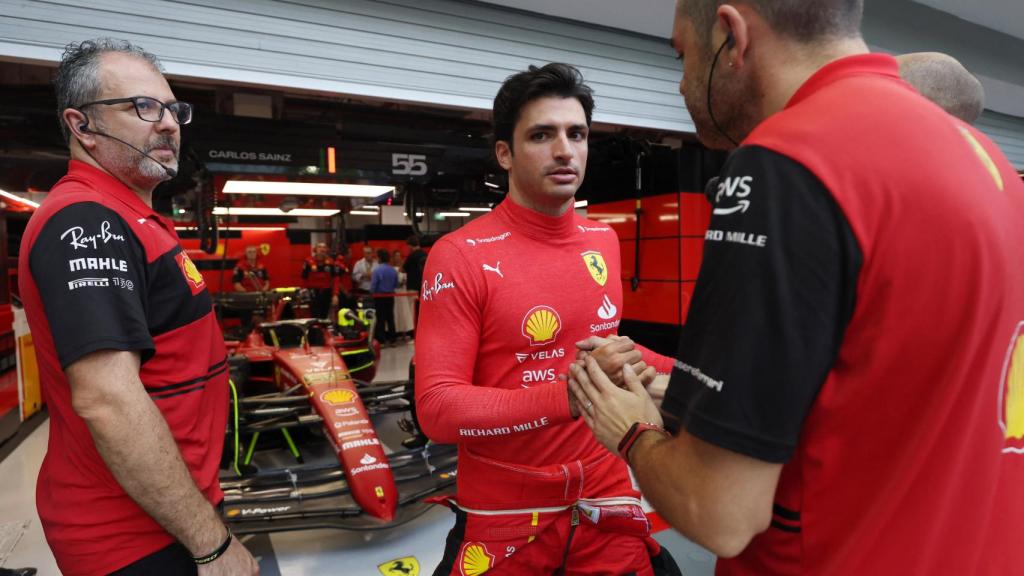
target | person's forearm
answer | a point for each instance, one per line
(137, 447)
(464, 413)
(671, 475)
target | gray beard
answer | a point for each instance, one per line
(131, 166)
(151, 170)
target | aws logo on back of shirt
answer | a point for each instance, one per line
(738, 187)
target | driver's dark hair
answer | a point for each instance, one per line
(555, 79)
(77, 79)
(805, 21)
(384, 256)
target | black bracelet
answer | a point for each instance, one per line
(200, 560)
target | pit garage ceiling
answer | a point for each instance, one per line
(649, 16)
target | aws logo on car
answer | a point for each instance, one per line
(733, 187)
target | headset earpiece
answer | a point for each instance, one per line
(730, 40)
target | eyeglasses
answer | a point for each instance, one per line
(151, 109)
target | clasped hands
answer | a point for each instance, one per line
(608, 384)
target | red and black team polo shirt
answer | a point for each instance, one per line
(99, 270)
(248, 275)
(321, 275)
(858, 317)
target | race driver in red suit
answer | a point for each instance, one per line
(504, 301)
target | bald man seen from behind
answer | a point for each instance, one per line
(944, 80)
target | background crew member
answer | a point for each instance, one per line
(835, 409)
(383, 285)
(320, 274)
(405, 306)
(250, 275)
(943, 79)
(503, 300)
(131, 360)
(362, 272)
(345, 299)
(413, 268)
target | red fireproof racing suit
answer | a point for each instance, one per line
(504, 300)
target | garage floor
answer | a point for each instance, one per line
(292, 553)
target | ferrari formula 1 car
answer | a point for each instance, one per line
(312, 446)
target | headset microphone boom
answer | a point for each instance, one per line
(84, 127)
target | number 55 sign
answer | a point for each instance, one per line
(408, 164)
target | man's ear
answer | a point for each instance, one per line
(78, 125)
(736, 33)
(503, 152)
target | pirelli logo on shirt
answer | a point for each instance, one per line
(1011, 395)
(89, 282)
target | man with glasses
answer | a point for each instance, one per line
(132, 362)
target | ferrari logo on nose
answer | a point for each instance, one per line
(407, 566)
(596, 266)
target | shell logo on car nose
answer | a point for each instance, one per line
(338, 396)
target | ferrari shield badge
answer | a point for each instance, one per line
(596, 266)
(407, 566)
(265, 248)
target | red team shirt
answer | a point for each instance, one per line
(100, 270)
(248, 275)
(896, 404)
(504, 300)
(321, 275)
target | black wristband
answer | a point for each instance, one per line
(634, 433)
(200, 560)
